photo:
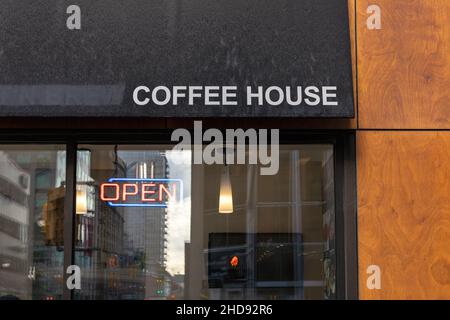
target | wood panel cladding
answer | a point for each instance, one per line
(404, 68)
(404, 213)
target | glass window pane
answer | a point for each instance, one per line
(152, 225)
(31, 221)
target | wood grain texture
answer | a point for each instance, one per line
(404, 68)
(404, 213)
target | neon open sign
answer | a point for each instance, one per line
(133, 192)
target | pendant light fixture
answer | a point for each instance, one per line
(226, 192)
(83, 172)
(81, 202)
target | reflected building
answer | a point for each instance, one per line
(31, 225)
(146, 227)
(100, 236)
(14, 222)
(122, 253)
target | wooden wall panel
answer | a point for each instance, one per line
(404, 213)
(404, 68)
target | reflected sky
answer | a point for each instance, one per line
(178, 213)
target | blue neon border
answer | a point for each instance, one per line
(145, 204)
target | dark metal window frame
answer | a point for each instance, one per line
(344, 179)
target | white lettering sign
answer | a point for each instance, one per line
(228, 96)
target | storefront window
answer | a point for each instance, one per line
(32, 194)
(152, 225)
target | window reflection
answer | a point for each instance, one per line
(278, 243)
(31, 221)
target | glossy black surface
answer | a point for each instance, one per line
(48, 70)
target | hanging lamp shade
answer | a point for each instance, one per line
(226, 193)
(81, 202)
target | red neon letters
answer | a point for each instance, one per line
(139, 192)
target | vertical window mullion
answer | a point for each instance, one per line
(69, 213)
(339, 219)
